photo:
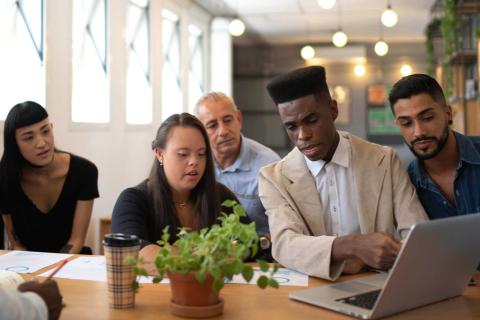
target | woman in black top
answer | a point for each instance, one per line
(181, 190)
(46, 195)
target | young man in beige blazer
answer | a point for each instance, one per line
(335, 203)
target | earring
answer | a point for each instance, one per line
(450, 122)
(161, 162)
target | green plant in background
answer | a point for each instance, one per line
(430, 31)
(449, 26)
(219, 250)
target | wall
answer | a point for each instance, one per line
(121, 152)
(255, 65)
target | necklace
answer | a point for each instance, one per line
(181, 204)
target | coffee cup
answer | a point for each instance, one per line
(120, 277)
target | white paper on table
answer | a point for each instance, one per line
(284, 277)
(29, 261)
(89, 268)
(94, 268)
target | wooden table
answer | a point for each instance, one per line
(88, 300)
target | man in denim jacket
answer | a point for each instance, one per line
(446, 172)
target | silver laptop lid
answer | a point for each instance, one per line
(436, 262)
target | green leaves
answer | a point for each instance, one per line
(239, 211)
(216, 272)
(273, 283)
(449, 26)
(140, 271)
(200, 276)
(262, 282)
(263, 265)
(135, 285)
(230, 203)
(275, 267)
(219, 250)
(218, 284)
(247, 273)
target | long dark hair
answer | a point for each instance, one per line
(21, 115)
(204, 195)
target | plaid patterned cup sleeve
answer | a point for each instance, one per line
(120, 276)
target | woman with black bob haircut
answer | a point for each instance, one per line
(46, 195)
(181, 190)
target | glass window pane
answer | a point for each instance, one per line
(196, 73)
(171, 88)
(139, 108)
(139, 94)
(22, 75)
(141, 44)
(98, 30)
(90, 100)
(32, 10)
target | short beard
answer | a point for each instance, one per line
(441, 143)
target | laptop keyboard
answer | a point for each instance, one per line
(364, 300)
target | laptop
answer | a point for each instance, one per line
(436, 262)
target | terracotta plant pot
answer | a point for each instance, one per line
(193, 299)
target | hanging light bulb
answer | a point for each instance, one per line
(381, 48)
(339, 39)
(359, 70)
(406, 70)
(236, 27)
(307, 52)
(326, 4)
(389, 17)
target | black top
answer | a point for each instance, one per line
(132, 213)
(49, 232)
(1, 234)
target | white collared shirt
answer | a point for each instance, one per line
(336, 188)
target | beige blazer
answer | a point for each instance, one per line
(386, 201)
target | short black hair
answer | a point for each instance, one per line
(416, 84)
(298, 83)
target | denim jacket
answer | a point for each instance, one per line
(466, 183)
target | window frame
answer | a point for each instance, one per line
(177, 11)
(105, 64)
(104, 59)
(40, 48)
(131, 46)
(203, 45)
(146, 14)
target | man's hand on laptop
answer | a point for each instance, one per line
(354, 265)
(377, 250)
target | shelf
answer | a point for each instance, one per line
(464, 56)
(467, 7)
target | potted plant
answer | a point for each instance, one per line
(198, 263)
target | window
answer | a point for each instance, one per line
(139, 90)
(196, 86)
(90, 102)
(22, 75)
(171, 85)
